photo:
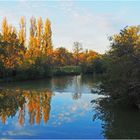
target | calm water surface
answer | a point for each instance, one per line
(62, 107)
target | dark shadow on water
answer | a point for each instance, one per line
(118, 122)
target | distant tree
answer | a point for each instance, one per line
(62, 57)
(34, 57)
(77, 48)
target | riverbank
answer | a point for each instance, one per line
(25, 75)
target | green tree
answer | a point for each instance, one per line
(123, 66)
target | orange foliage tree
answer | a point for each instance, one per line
(36, 53)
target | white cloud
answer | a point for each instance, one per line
(18, 133)
(70, 23)
(80, 25)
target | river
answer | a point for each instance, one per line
(62, 108)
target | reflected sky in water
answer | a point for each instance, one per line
(55, 108)
(62, 108)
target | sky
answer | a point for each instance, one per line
(88, 22)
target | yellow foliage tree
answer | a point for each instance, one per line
(47, 40)
(39, 33)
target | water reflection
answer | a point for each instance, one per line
(26, 108)
(77, 92)
(59, 84)
(32, 105)
(36, 103)
(16, 99)
(118, 122)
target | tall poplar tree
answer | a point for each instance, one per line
(39, 33)
(32, 38)
(47, 45)
(22, 35)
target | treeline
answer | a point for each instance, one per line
(121, 67)
(34, 57)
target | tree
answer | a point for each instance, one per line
(5, 29)
(22, 35)
(123, 66)
(10, 55)
(22, 31)
(62, 57)
(47, 38)
(98, 65)
(77, 48)
(35, 57)
(33, 50)
(39, 33)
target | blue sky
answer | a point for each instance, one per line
(89, 22)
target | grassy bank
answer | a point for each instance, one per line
(41, 72)
(67, 70)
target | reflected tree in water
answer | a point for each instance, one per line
(21, 117)
(117, 122)
(9, 103)
(77, 91)
(46, 99)
(36, 103)
(61, 83)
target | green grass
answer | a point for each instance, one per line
(67, 70)
(40, 73)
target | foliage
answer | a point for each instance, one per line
(62, 57)
(116, 119)
(67, 70)
(98, 65)
(121, 80)
(23, 58)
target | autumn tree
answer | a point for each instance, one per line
(39, 33)
(47, 38)
(10, 55)
(77, 48)
(40, 42)
(5, 29)
(22, 31)
(33, 50)
(22, 35)
(86, 59)
(35, 57)
(62, 57)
